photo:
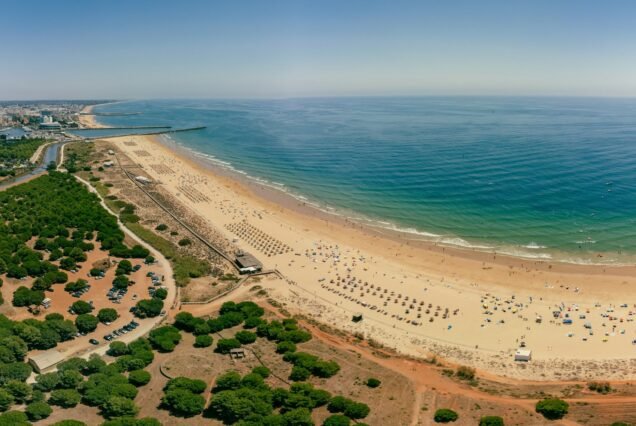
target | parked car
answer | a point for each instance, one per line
(93, 342)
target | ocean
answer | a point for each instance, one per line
(534, 177)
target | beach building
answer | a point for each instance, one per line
(247, 264)
(46, 360)
(523, 355)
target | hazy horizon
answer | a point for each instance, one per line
(299, 49)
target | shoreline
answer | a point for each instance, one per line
(478, 250)
(325, 251)
(272, 194)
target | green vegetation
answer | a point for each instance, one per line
(203, 341)
(149, 308)
(184, 266)
(182, 397)
(465, 373)
(107, 315)
(373, 382)
(86, 323)
(445, 415)
(139, 378)
(491, 421)
(13, 153)
(164, 339)
(80, 307)
(38, 410)
(552, 408)
(600, 387)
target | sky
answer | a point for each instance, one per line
(297, 48)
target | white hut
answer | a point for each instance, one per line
(523, 355)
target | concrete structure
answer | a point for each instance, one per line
(237, 353)
(523, 355)
(46, 360)
(246, 263)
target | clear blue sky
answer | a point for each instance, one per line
(271, 48)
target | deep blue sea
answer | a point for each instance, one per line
(541, 177)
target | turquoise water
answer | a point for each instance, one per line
(540, 177)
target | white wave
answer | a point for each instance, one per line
(456, 241)
(524, 254)
(534, 246)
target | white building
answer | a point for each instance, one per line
(523, 355)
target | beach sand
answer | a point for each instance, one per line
(421, 299)
(88, 120)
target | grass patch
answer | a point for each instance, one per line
(184, 266)
(101, 189)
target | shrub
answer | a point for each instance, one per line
(337, 404)
(117, 349)
(445, 415)
(262, 371)
(69, 423)
(86, 323)
(47, 382)
(191, 385)
(161, 293)
(149, 308)
(372, 382)
(81, 307)
(465, 373)
(245, 337)
(203, 341)
(181, 402)
(284, 347)
(118, 406)
(6, 400)
(107, 315)
(600, 387)
(225, 345)
(228, 381)
(491, 421)
(38, 410)
(165, 338)
(299, 374)
(65, 398)
(19, 390)
(121, 282)
(337, 420)
(139, 378)
(552, 408)
(356, 410)
(161, 227)
(184, 242)
(14, 418)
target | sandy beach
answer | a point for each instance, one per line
(88, 120)
(421, 299)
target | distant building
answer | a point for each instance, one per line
(49, 125)
(46, 360)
